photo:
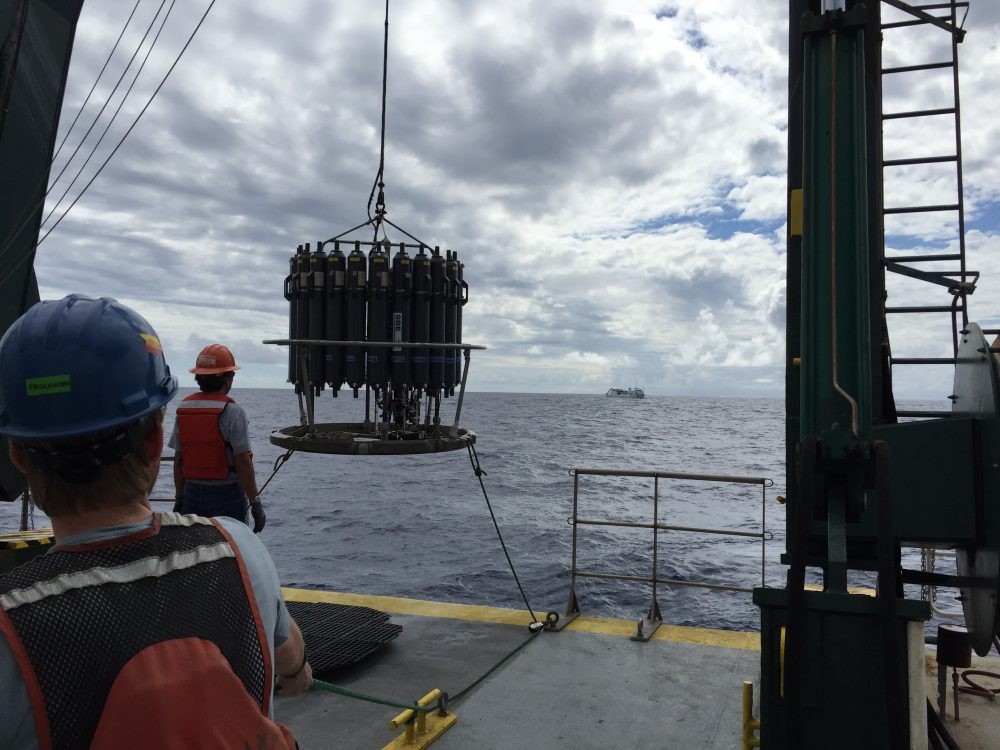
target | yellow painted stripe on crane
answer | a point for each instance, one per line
(795, 212)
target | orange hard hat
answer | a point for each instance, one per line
(214, 359)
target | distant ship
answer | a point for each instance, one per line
(626, 393)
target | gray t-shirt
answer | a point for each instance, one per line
(17, 724)
(235, 429)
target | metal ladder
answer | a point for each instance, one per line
(958, 282)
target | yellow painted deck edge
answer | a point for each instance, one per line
(476, 613)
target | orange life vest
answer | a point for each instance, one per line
(170, 655)
(202, 447)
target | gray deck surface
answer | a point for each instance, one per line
(569, 689)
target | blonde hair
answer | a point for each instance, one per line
(112, 486)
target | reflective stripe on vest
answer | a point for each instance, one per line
(202, 446)
(153, 640)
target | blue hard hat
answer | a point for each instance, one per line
(79, 365)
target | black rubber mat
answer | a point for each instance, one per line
(337, 635)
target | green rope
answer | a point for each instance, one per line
(358, 695)
(461, 693)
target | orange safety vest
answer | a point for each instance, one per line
(202, 447)
(170, 655)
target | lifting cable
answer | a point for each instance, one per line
(534, 628)
(93, 88)
(279, 462)
(380, 201)
(479, 472)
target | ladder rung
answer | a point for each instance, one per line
(922, 360)
(922, 309)
(921, 258)
(918, 113)
(920, 209)
(918, 160)
(923, 66)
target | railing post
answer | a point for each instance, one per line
(763, 534)
(645, 627)
(572, 605)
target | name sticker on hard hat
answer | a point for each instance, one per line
(46, 385)
(152, 343)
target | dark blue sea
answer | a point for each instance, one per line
(420, 527)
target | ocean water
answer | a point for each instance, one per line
(419, 526)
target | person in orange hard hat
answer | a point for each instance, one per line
(213, 463)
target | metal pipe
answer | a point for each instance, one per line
(670, 475)
(750, 724)
(576, 494)
(833, 236)
(656, 502)
(763, 534)
(461, 391)
(668, 581)
(302, 411)
(668, 527)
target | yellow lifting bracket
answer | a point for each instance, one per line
(421, 728)
(750, 724)
(24, 539)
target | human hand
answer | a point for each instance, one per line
(298, 683)
(259, 516)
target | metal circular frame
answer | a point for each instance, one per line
(362, 439)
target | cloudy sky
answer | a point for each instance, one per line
(612, 173)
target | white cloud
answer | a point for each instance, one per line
(611, 179)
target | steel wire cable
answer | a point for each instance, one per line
(26, 212)
(378, 183)
(479, 472)
(21, 216)
(114, 117)
(100, 169)
(104, 67)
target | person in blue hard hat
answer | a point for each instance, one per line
(213, 463)
(136, 629)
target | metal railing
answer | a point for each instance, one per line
(928, 593)
(647, 626)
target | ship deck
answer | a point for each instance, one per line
(587, 686)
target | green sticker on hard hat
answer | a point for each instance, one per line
(46, 385)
